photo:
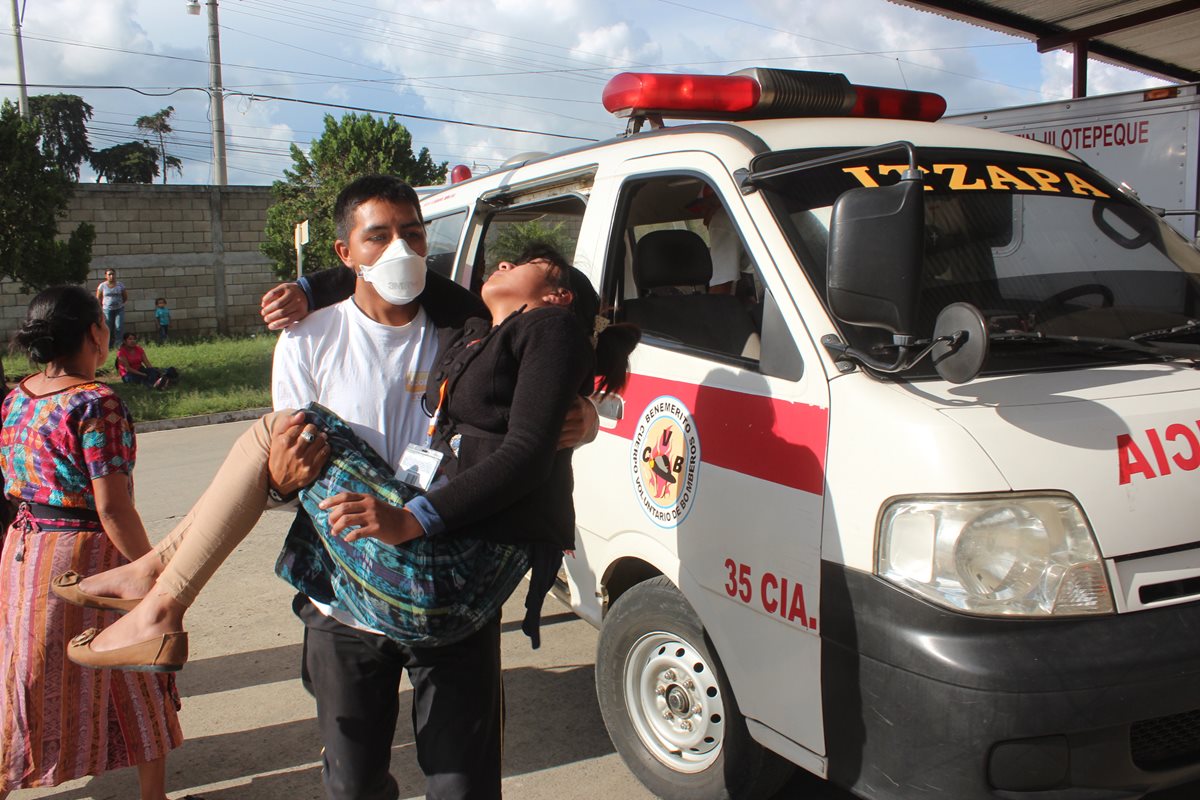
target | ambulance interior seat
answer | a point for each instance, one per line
(666, 260)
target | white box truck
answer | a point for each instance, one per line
(1148, 140)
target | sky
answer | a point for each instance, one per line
(446, 69)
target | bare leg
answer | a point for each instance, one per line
(152, 779)
(219, 521)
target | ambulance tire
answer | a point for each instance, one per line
(654, 659)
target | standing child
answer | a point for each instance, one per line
(163, 315)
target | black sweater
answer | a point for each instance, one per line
(508, 390)
(507, 396)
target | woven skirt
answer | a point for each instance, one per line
(429, 592)
(59, 721)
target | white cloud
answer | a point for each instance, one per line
(529, 64)
(619, 44)
(1058, 72)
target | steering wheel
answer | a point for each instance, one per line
(1059, 300)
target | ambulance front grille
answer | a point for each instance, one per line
(1166, 742)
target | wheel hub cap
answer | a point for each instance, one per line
(675, 701)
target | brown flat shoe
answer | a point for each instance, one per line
(66, 586)
(166, 653)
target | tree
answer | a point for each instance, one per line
(132, 162)
(34, 193)
(159, 124)
(62, 121)
(347, 149)
(514, 238)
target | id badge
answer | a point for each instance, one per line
(419, 466)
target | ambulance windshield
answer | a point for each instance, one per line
(1040, 245)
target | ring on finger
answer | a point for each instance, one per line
(307, 436)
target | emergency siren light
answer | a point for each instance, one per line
(761, 93)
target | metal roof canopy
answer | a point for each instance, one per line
(1151, 36)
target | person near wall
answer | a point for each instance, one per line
(162, 317)
(112, 296)
(67, 452)
(135, 367)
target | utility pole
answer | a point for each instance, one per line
(301, 240)
(22, 98)
(216, 93)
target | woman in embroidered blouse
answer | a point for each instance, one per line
(67, 451)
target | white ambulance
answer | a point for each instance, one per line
(904, 488)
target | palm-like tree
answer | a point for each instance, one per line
(159, 124)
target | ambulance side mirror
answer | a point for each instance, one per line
(876, 251)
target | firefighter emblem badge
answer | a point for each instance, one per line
(666, 460)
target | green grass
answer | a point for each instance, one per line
(215, 375)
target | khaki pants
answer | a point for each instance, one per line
(222, 517)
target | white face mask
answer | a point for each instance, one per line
(398, 275)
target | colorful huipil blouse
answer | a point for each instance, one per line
(58, 721)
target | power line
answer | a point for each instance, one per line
(256, 96)
(427, 143)
(452, 38)
(854, 50)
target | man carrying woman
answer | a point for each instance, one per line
(505, 378)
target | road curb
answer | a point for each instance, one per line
(199, 419)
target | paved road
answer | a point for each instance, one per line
(251, 727)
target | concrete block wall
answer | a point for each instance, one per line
(197, 246)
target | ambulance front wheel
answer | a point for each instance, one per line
(668, 706)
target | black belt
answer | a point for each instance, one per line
(40, 511)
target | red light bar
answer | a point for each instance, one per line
(651, 93)
(762, 94)
(881, 103)
(460, 173)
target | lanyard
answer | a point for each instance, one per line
(436, 411)
(442, 390)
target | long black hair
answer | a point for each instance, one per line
(56, 323)
(613, 342)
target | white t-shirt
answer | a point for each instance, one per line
(725, 248)
(369, 374)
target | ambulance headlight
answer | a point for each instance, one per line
(1004, 555)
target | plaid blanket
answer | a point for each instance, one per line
(428, 592)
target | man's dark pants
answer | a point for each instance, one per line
(457, 711)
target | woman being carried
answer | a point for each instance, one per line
(506, 506)
(67, 450)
